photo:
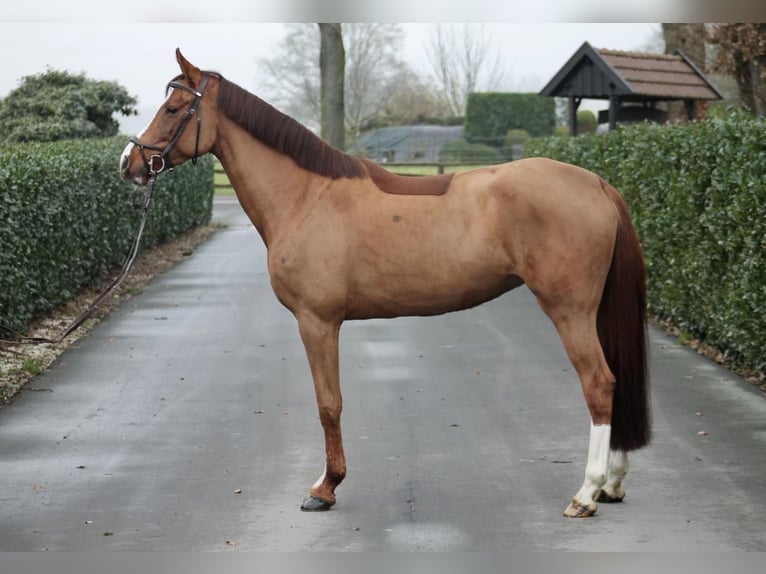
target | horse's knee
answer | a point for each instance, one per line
(329, 415)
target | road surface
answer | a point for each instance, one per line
(186, 421)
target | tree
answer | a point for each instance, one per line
(459, 61)
(586, 122)
(690, 39)
(332, 65)
(741, 53)
(57, 105)
(406, 99)
(375, 75)
(687, 37)
(372, 66)
(291, 76)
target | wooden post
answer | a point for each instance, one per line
(574, 103)
(614, 106)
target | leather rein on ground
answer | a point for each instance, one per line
(163, 162)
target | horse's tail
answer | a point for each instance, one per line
(622, 331)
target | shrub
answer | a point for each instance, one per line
(586, 122)
(58, 105)
(698, 197)
(489, 116)
(66, 218)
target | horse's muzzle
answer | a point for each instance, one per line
(139, 176)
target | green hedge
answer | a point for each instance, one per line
(66, 218)
(489, 116)
(698, 197)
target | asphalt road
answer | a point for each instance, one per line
(186, 421)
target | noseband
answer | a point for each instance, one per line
(161, 158)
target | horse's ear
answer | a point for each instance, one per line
(189, 70)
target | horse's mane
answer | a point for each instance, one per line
(285, 134)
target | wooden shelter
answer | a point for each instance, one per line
(638, 79)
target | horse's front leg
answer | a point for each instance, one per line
(320, 338)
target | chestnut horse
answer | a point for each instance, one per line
(347, 239)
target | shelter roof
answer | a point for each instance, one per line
(601, 73)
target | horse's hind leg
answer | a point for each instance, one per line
(320, 339)
(577, 329)
(618, 468)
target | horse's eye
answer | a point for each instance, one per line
(171, 111)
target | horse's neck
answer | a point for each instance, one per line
(268, 184)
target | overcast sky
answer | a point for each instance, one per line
(133, 41)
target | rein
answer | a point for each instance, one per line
(133, 253)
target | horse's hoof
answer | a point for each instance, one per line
(315, 504)
(615, 495)
(579, 510)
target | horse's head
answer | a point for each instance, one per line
(177, 132)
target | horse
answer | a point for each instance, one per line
(349, 240)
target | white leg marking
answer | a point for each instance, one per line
(598, 463)
(321, 478)
(618, 468)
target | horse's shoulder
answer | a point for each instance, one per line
(389, 182)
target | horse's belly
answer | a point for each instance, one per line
(427, 293)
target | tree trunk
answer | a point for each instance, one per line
(759, 87)
(690, 39)
(749, 74)
(332, 65)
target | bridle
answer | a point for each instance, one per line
(162, 157)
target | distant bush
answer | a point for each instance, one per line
(586, 122)
(459, 150)
(489, 116)
(66, 218)
(513, 147)
(698, 197)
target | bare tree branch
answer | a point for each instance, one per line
(461, 63)
(741, 53)
(292, 75)
(377, 84)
